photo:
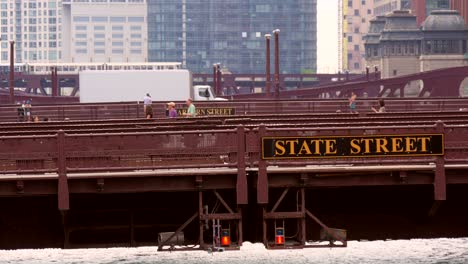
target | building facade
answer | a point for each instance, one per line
(355, 25)
(400, 46)
(385, 7)
(423, 8)
(462, 7)
(35, 27)
(104, 31)
(201, 33)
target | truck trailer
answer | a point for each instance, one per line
(133, 85)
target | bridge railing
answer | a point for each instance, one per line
(135, 110)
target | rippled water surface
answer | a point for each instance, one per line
(398, 251)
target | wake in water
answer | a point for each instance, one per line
(398, 251)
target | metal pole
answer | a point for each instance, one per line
(215, 75)
(57, 85)
(218, 79)
(277, 67)
(376, 72)
(367, 73)
(12, 72)
(52, 82)
(268, 66)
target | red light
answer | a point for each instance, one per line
(225, 241)
(279, 240)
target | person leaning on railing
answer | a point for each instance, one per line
(191, 111)
(381, 107)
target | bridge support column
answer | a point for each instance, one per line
(440, 183)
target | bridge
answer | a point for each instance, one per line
(119, 182)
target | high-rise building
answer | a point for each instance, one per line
(35, 28)
(104, 31)
(385, 7)
(201, 33)
(355, 24)
(423, 8)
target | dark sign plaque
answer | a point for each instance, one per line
(352, 146)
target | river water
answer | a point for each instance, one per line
(397, 251)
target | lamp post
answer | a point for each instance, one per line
(268, 66)
(367, 73)
(215, 75)
(277, 67)
(218, 78)
(12, 72)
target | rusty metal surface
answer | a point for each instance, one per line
(296, 107)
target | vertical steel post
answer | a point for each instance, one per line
(200, 214)
(367, 73)
(262, 180)
(52, 82)
(240, 229)
(440, 181)
(63, 194)
(303, 219)
(12, 72)
(218, 80)
(215, 76)
(277, 66)
(57, 84)
(241, 186)
(268, 66)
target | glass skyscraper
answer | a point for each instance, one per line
(199, 33)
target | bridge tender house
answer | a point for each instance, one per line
(352, 146)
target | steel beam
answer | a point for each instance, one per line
(229, 216)
(182, 227)
(283, 215)
(279, 200)
(220, 198)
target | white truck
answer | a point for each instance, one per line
(133, 85)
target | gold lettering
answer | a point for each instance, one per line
(424, 141)
(367, 142)
(305, 147)
(317, 145)
(279, 148)
(381, 144)
(355, 147)
(292, 150)
(330, 146)
(410, 147)
(396, 145)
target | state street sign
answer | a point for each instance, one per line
(352, 146)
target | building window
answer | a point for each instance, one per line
(350, 39)
(356, 12)
(135, 35)
(117, 19)
(356, 47)
(350, 56)
(99, 51)
(99, 19)
(117, 43)
(350, 3)
(363, 20)
(135, 51)
(136, 19)
(81, 51)
(356, 65)
(99, 35)
(356, 30)
(135, 44)
(80, 27)
(81, 43)
(117, 28)
(99, 43)
(80, 35)
(369, 12)
(117, 36)
(99, 28)
(135, 28)
(80, 19)
(117, 51)
(363, 2)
